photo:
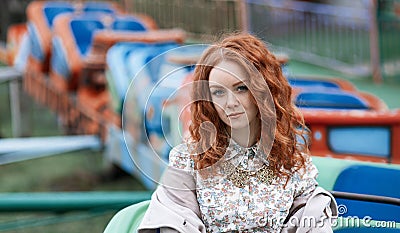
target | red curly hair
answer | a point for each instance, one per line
(287, 152)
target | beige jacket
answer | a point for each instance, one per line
(174, 208)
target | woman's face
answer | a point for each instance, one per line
(231, 97)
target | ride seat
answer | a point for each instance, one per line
(370, 180)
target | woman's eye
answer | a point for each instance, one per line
(218, 92)
(242, 88)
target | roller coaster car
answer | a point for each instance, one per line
(62, 34)
(71, 46)
(124, 60)
(355, 134)
(331, 93)
(105, 39)
(100, 98)
(41, 16)
(77, 47)
(152, 106)
(336, 99)
(320, 83)
(345, 122)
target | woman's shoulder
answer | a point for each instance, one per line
(305, 178)
(305, 172)
(180, 156)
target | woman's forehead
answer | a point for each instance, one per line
(228, 73)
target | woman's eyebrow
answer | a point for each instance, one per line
(233, 85)
(216, 86)
(239, 83)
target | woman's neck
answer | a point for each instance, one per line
(245, 137)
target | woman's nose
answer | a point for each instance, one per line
(231, 101)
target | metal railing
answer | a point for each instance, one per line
(388, 20)
(334, 36)
(202, 19)
(34, 212)
(328, 35)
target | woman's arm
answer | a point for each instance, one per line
(173, 206)
(314, 213)
(313, 209)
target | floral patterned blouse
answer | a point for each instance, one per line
(256, 206)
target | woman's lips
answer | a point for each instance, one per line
(235, 115)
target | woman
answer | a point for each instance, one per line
(246, 166)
